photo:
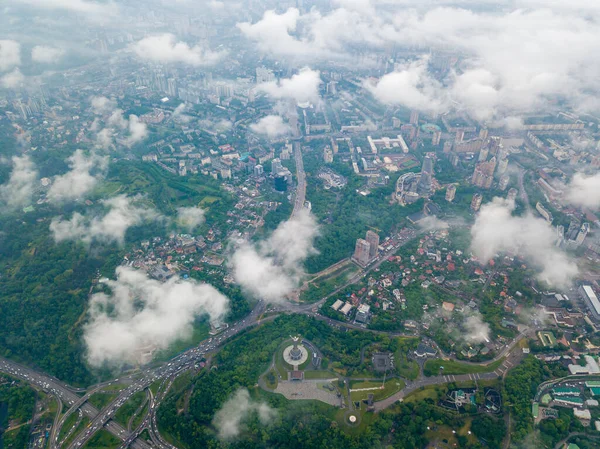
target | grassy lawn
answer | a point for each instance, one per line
(323, 286)
(427, 392)
(454, 367)
(271, 379)
(101, 400)
(319, 375)
(139, 417)
(155, 386)
(102, 440)
(114, 387)
(408, 369)
(391, 386)
(71, 420)
(129, 408)
(82, 425)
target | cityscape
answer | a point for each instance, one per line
(299, 224)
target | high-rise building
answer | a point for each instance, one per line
(258, 170)
(583, 232)
(424, 186)
(544, 212)
(483, 133)
(436, 138)
(264, 75)
(483, 154)
(447, 147)
(414, 117)
(450, 193)
(373, 239)
(276, 166)
(512, 194)
(361, 252)
(172, 87)
(476, 202)
(460, 136)
(396, 122)
(502, 166)
(328, 155)
(495, 144)
(503, 184)
(483, 175)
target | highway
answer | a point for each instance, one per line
(301, 176)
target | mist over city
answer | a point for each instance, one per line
(299, 224)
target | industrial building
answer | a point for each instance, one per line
(591, 300)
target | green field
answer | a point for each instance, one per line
(102, 440)
(128, 409)
(391, 386)
(323, 286)
(101, 400)
(428, 392)
(432, 367)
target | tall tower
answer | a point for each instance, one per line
(437, 137)
(450, 193)
(476, 202)
(460, 136)
(373, 240)
(414, 118)
(424, 187)
(361, 252)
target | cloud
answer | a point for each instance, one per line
(501, 61)
(79, 180)
(271, 126)
(103, 105)
(19, 188)
(12, 79)
(138, 131)
(164, 48)
(301, 87)
(584, 191)
(79, 6)
(46, 54)
(412, 86)
(220, 126)
(190, 217)
(141, 315)
(236, 410)
(110, 227)
(432, 223)
(272, 269)
(497, 230)
(10, 54)
(475, 330)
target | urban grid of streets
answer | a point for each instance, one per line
(168, 371)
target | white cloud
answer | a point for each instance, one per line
(301, 87)
(79, 6)
(475, 330)
(273, 268)
(513, 59)
(141, 314)
(12, 79)
(19, 188)
(79, 181)
(236, 410)
(10, 54)
(103, 105)
(138, 131)
(46, 54)
(110, 227)
(584, 190)
(271, 126)
(190, 217)
(497, 230)
(220, 126)
(412, 87)
(164, 48)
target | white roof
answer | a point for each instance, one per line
(337, 304)
(592, 297)
(347, 307)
